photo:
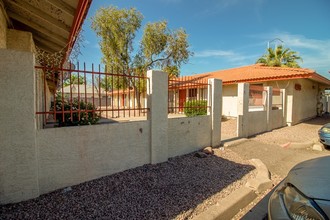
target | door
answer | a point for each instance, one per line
(182, 99)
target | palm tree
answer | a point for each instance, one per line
(282, 57)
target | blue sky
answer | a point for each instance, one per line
(225, 34)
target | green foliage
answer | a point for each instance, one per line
(160, 47)
(85, 118)
(74, 80)
(281, 57)
(117, 29)
(163, 48)
(195, 107)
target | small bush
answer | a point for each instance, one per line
(195, 107)
(86, 118)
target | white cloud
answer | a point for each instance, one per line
(315, 52)
(214, 53)
(226, 56)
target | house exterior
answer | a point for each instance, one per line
(304, 88)
(88, 93)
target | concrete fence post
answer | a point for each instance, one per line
(269, 106)
(242, 109)
(215, 101)
(157, 91)
(283, 92)
(18, 152)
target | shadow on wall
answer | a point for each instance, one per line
(161, 191)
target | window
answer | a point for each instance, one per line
(192, 93)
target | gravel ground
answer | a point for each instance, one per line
(181, 188)
(300, 133)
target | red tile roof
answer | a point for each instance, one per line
(261, 73)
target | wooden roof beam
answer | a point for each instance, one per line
(41, 15)
(58, 38)
(63, 6)
(53, 46)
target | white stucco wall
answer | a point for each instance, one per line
(304, 101)
(186, 135)
(229, 100)
(3, 29)
(301, 105)
(71, 155)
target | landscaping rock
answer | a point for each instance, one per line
(208, 150)
(318, 147)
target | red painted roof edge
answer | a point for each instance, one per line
(81, 12)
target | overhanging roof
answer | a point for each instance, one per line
(53, 23)
(261, 73)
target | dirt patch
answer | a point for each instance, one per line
(181, 188)
(228, 128)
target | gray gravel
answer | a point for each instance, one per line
(178, 189)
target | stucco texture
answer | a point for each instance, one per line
(20, 40)
(68, 156)
(18, 157)
(3, 29)
(301, 104)
(186, 135)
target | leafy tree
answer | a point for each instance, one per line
(282, 57)
(163, 48)
(74, 80)
(160, 47)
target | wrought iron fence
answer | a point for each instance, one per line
(77, 96)
(188, 95)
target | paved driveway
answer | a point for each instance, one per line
(280, 150)
(283, 148)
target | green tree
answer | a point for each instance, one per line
(74, 80)
(282, 57)
(160, 47)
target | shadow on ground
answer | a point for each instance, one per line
(320, 120)
(161, 191)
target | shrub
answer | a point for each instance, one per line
(195, 107)
(86, 118)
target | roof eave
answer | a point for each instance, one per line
(263, 79)
(320, 79)
(81, 13)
